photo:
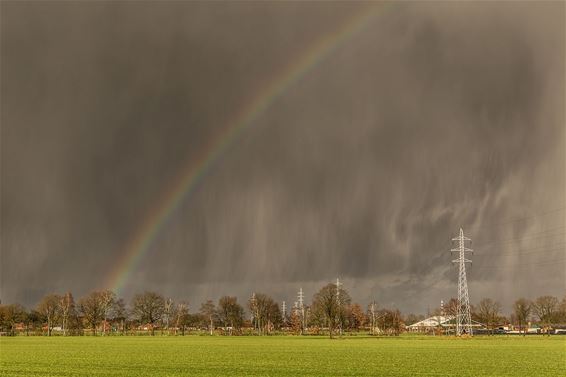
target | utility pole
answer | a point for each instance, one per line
(168, 305)
(283, 315)
(339, 307)
(372, 311)
(254, 313)
(301, 302)
(463, 315)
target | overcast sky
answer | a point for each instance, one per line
(432, 117)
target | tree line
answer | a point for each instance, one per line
(546, 311)
(331, 312)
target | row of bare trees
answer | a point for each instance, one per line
(102, 312)
(331, 312)
(544, 310)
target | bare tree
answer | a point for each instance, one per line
(266, 312)
(119, 313)
(148, 307)
(562, 311)
(451, 307)
(33, 321)
(92, 309)
(230, 313)
(488, 311)
(49, 308)
(546, 308)
(327, 306)
(107, 299)
(168, 312)
(356, 317)
(208, 311)
(390, 321)
(372, 316)
(274, 316)
(66, 307)
(182, 317)
(10, 315)
(522, 310)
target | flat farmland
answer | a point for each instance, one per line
(282, 356)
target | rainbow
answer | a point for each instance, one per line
(186, 182)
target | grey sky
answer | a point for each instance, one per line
(435, 116)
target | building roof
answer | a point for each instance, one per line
(436, 320)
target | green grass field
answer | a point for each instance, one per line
(282, 356)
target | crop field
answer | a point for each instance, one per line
(282, 356)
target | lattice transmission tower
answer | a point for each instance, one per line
(463, 315)
(301, 303)
(254, 315)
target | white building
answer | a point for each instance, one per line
(431, 323)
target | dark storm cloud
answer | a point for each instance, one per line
(435, 116)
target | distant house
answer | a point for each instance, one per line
(430, 324)
(443, 324)
(147, 327)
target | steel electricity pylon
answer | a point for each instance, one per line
(338, 306)
(301, 303)
(463, 315)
